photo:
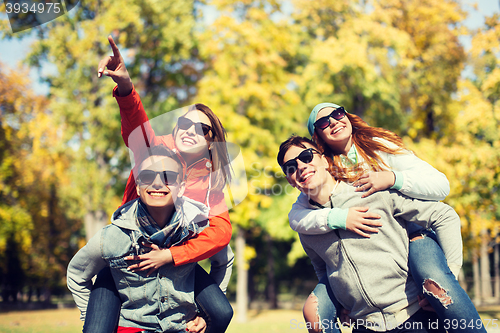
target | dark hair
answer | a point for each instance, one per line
(219, 155)
(160, 150)
(294, 140)
(337, 171)
(363, 136)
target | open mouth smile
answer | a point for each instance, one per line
(305, 177)
(158, 194)
(338, 129)
(188, 141)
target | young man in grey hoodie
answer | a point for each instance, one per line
(369, 276)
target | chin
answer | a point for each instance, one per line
(197, 150)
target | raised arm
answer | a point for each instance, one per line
(131, 110)
(114, 67)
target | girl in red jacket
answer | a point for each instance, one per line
(199, 139)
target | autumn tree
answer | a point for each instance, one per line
(394, 63)
(248, 84)
(161, 57)
(34, 231)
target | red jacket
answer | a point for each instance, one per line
(213, 238)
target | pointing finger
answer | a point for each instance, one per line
(116, 52)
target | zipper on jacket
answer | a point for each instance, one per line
(363, 291)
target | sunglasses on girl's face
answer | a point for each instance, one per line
(324, 122)
(147, 177)
(305, 157)
(200, 128)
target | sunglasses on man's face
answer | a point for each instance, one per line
(324, 122)
(202, 129)
(305, 156)
(147, 177)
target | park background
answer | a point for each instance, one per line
(416, 67)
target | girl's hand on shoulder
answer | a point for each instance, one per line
(374, 181)
(361, 222)
(197, 325)
(152, 260)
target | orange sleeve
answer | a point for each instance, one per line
(131, 112)
(211, 240)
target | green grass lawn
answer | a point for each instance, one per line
(269, 321)
(67, 321)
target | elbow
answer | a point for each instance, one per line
(293, 223)
(445, 187)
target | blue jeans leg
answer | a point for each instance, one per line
(212, 302)
(328, 306)
(103, 309)
(430, 272)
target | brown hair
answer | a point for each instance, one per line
(337, 171)
(363, 136)
(219, 155)
(160, 150)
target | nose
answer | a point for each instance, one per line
(191, 130)
(158, 182)
(332, 122)
(301, 166)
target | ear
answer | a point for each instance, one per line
(138, 192)
(182, 188)
(325, 161)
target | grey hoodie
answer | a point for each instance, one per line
(369, 276)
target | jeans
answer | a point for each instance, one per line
(211, 301)
(328, 306)
(428, 268)
(421, 322)
(103, 309)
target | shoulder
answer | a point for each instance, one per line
(115, 241)
(168, 140)
(386, 143)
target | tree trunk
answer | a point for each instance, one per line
(271, 283)
(94, 221)
(477, 278)
(486, 292)
(496, 262)
(242, 281)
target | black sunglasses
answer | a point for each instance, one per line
(305, 156)
(324, 122)
(147, 177)
(200, 128)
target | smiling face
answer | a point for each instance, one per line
(338, 135)
(309, 177)
(157, 193)
(190, 141)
